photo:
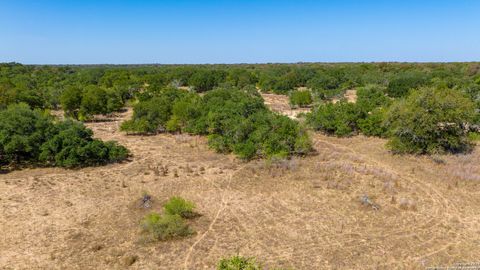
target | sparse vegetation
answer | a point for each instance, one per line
(301, 98)
(238, 263)
(180, 206)
(165, 227)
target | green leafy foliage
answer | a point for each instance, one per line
(371, 97)
(22, 132)
(180, 206)
(300, 98)
(71, 99)
(401, 84)
(151, 115)
(205, 80)
(238, 263)
(32, 136)
(374, 123)
(73, 146)
(430, 121)
(234, 120)
(165, 227)
(338, 119)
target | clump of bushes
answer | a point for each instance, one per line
(300, 98)
(172, 223)
(234, 120)
(401, 84)
(180, 206)
(430, 121)
(165, 227)
(238, 263)
(34, 137)
(152, 114)
(345, 119)
(339, 119)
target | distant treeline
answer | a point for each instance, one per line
(43, 86)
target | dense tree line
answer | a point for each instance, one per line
(43, 86)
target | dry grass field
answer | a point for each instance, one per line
(305, 213)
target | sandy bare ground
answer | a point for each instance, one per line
(280, 103)
(304, 213)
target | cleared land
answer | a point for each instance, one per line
(305, 213)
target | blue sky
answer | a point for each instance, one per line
(181, 31)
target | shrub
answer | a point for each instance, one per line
(94, 101)
(204, 80)
(73, 146)
(165, 227)
(151, 115)
(22, 132)
(429, 121)
(238, 263)
(70, 99)
(373, 124)
(180, 206)
(371, 97)
(402, 83)
(300, 98)
(338, 119)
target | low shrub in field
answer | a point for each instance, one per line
(238, 263)
(300, 98)
(234, 120)
(374, 123)
(402, 83)
(34, 137)
(371, 97)
(165, 227)
(338, 119)
(180, 206)
(430, 121)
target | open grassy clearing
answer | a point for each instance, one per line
(305, 213)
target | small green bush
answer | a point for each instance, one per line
(180, 206)
(238, 263)
(165, 227)
(300, 98)
(338, 119)
(374, 123)
(371, 97)
(401, 84)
